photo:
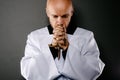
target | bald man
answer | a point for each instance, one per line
(56, 53)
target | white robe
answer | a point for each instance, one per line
(82, 60)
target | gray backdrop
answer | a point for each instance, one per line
(19, 17)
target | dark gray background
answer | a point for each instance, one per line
(19, 17)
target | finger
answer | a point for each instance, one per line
(54, 43)
(58, 30)
(59, 38)
(61, 42)
(59, 34)
(64, 46)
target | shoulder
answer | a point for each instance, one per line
(37, 35)
(83, 32)
(39, 32)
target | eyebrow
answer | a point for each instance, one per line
(61, 15)
(65, 15)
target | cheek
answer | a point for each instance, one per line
(52, 22)
(67, 21)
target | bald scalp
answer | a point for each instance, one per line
(60, 4)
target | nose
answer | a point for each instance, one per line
(60, 21)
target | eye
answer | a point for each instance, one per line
(65, 16)
(55, 16)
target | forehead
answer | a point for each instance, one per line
(59, 8)
(59, 11)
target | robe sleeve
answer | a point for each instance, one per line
(83, 62)
(90, 58)
(31, 62)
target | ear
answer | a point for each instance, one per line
(72, 12)
(47, 12)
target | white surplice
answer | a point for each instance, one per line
(82, 60)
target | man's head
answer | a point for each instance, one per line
(59, 12)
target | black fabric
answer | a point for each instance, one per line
(62, 76)
(59, 77)
(55, 52)
(50, 29)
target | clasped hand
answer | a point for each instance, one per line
(60, 38)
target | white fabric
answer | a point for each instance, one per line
(59, 64)
(82, 60)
